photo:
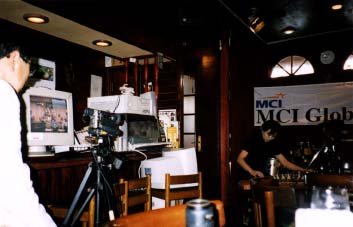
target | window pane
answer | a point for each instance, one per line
(348, 63)
(189, 141)
(292, 65)
(278, 72)
(188, 85)
(297, 63)
(307, 68)
(189, 123)
(286, 64)
(189, 104)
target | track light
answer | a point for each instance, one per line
(255, 22)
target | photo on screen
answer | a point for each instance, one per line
(42, 73)
(48, 114)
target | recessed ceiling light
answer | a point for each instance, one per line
(288, 30)
(35, 18)
(336, 6)
(102, 43)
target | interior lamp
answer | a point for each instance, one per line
(36, 18)
(102, 43)
(288, 30)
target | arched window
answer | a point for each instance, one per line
(292, 66)
(348, 64)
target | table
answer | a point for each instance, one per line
(174, 216)
(289, 195)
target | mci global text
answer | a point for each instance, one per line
(310, 115)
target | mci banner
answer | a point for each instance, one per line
(304, 104)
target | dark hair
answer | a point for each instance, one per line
(271, 125)
(6, 47)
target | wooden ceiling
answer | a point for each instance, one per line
(156, 26)
(308, 17)
(165, 26)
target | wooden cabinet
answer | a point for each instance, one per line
(57, 179)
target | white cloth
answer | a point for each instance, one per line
(323, 218)
(19, 204)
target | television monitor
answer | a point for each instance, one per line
(49, 119)
(140, 132)
(187, 157)
(175, 162)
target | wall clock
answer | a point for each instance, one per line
(327, 57)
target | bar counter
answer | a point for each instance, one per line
(56, 178)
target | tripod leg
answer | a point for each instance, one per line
(102, 186)
(109, 197)
(78, 194)
(80, 211)
(99, 187)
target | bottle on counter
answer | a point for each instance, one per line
(330, 160)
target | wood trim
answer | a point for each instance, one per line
(224, 121)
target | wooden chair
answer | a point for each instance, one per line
(86, 219)
(174, 189)
(267, 197)
(334, 180)
(120, 191)
(139, 191)
(174, 216)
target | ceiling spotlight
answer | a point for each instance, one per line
(35, 18)
(288, 30)
(102, 43)
(337, 6)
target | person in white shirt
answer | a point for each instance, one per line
(19, 203)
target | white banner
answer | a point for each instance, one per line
(304, 104)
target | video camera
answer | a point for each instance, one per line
(103, 123)
(105, 126)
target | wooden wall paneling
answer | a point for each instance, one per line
(156, 74)
(208, 120)
(168, 84)
(145, 82)
(136, 85)
(224, 121)
(126, 63)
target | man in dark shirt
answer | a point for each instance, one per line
(260, 148)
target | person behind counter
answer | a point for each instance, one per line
(19, 204)
(261, 147)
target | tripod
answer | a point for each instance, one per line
(100, 187)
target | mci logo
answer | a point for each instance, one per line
(272, 103)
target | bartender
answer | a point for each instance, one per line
(261, 147)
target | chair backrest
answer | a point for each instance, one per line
(139, 192)
(174, 216)
(173, 191)
(267, 197)
(121, 197)
(87, 217)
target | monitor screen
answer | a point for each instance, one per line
(48, 114)
(142, 129)
(49, 118)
